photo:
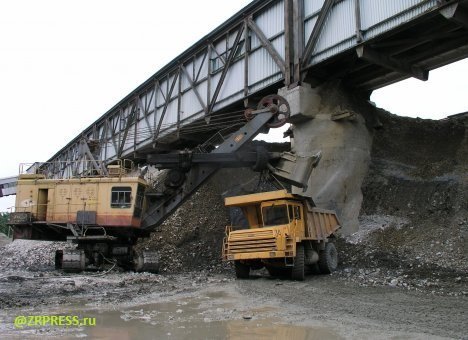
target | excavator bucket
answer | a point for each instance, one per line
(295, 169)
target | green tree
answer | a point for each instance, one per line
(3, 223)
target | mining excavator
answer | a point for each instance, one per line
(105, 212)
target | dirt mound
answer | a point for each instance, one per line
(30, 255)
(418, 171)
(417, 185)
(191, 239)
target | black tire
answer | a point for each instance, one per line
(242, 270)
(328, 259)
(298, 271)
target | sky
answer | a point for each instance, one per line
(65, 63)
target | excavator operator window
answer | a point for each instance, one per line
(121, 197)
(275, 215)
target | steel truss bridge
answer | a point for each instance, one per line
(270, 44)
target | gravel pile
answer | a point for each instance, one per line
(368, 264)
(191, 239)
(372, 223)
(414, 217)
(30, 255)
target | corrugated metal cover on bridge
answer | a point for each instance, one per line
(251, 55)
(8, 186)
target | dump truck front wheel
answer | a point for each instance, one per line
(298, 271)
(242, 270)
(328, 260)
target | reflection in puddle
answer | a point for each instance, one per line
(151, 325)
(209, 316)
(267, 330)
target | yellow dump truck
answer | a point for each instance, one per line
(287, 234)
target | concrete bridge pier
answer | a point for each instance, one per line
(332, 119)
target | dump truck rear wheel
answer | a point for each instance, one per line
(328, 260)
(242, 270)
(298, 271)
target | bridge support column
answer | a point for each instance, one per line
(304, 102)
(331, 119)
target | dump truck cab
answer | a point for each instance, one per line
(286, 233)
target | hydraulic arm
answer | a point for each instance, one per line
(190, 170)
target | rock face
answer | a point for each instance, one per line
(419, 172)
(414, 217)
(345, 145)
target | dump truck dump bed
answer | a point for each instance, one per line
(320, 223)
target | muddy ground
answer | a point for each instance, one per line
(340, 308)
(403, 275)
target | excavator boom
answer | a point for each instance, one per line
(200, 173)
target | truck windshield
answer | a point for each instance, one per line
(275, 215)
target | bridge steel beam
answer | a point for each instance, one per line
(381, 59)
(312, 41)
(456, 13)
(267, 45)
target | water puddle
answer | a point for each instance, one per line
(213, 315)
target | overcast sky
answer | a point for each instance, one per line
(65, 63)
